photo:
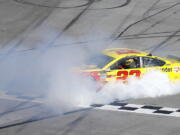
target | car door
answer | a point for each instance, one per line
(120, 72)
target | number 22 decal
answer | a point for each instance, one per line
(123, 75)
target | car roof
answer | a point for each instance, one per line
(121, 52)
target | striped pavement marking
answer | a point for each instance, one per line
(141, 109)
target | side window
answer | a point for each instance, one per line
(127, 63)
(152, 62)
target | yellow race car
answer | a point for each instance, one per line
(121, 63)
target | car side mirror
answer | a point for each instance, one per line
(149, 54)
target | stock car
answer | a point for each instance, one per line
(122, 63)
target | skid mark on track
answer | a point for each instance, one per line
(159, 21)
(131, 25)
(127, 2)
(125, 20)
(162, 20)
(150, 9)
(75, 19)
(140, 35)
(46, 6)
(30, 27)
(19, 38)
(44, 116)
(149, 35)
(70, 7)
(72, 125)
(164, 42)
(115, 106)
(83, 43)
(19, 42)
(120, 36)
(18, 108)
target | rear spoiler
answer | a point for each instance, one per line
(173, 57)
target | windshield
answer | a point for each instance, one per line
(99, 60)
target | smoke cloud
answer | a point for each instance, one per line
(50, 73)
(153, 84)
(69, 89)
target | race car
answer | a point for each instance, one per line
(122, 63)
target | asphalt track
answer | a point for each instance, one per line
(32, 27)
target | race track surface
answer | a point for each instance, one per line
(30, 28)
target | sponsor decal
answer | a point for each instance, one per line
(177, 69)
(166, 69)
